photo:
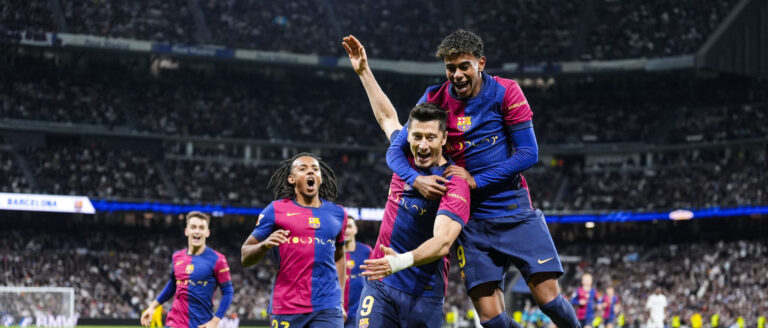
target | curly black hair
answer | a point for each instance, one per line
(280, 187)
(459, 43)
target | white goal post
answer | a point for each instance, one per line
(37, 306)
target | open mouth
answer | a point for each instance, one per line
(311, 183)
(197, 238)
(461, 87)
(423, 158)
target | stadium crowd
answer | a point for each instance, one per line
(116, 277)
(142, 20)
(725, 278)
(704, 178)
(96, 172)
(688, 179)
(543, 30)
(236, 106)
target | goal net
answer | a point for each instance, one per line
(37, 306)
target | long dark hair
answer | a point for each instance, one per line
(280, 187)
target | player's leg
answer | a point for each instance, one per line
(377, 307)
(419, 311)
(328, 318)
(482, 273)
(488, 299)
(533, 253)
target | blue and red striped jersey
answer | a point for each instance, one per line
(196, 278)
(587, 310)
(609, 303)
(307, 280)
(478, 141)
(408, 222)
(355, 280)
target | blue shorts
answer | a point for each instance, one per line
(487, 248)
(351, 321)
(328, 318)
(608, 320)
(387, 307)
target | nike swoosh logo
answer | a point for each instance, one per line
(180, 262)
(291, 214)
(544, 261)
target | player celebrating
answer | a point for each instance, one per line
(491, 139)
(584, 300)
(412, 283)
(195, 273)
(356, 252)
(308, 230)
(611, 306)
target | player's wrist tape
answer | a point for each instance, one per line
(400, 261)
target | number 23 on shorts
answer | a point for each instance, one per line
(366, 305)
(283, 324)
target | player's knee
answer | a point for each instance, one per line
(487, 299)
(544, 287)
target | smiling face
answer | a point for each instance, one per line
(197, 232)
(426, 141)
(464, 71)
(305, 176)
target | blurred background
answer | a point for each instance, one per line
(143, 110)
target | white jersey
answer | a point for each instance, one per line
(656, 304)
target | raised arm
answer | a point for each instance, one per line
(383, 109)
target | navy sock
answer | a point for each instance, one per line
(561, 312)
(500, 321)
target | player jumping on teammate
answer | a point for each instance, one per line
(305, 232)
(408, 268)
(195, 273)
(491, 139)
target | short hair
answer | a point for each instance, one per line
(459, 43)
(199, 215)
(426, 112)
(351, 218)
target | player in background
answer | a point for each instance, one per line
(305, 232)
(657, 307)
(196, 271)
(407, 272)
(611, 306)
(356, 253)
(491, 139)
(585, 300)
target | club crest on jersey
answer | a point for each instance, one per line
(464, 123)
(363, 323)
(190, 268)
(314, 223)
(351, 263)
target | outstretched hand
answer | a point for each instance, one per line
(378, 268)
(356, 53)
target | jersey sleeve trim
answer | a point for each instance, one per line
(453, 216)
